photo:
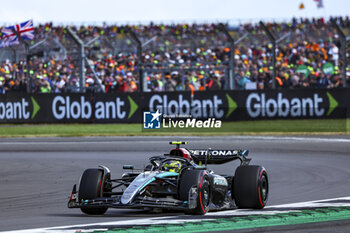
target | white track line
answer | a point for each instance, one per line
(291, 206)
(165, 220)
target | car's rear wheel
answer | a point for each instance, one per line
(200, 179)
(250, 187)
(90, 187)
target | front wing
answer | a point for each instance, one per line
(139, 202)
(144, 202)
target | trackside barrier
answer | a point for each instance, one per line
(129, 107)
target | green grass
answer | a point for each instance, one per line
(338, 126)
(245, 222)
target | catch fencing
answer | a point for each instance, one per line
(97, 44)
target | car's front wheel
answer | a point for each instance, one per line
(90, 187)
(200, 179)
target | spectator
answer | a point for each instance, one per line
(241, 80)
(334, 53)
(323, 81)
(198, 53)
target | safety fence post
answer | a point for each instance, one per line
(26, 45)
(139, 55)
(81, 60)
(343, 42)
(232, 83)
(272, 38)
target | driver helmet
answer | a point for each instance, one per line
(172, 166)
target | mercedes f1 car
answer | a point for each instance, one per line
(179, 180)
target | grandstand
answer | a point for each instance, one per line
(309, 53)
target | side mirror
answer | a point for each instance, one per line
(129, 167)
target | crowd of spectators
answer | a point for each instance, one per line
(195, 57)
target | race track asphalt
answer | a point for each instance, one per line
(37, 174)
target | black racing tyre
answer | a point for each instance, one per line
(91, 187)
(250, 187)
(200, 178)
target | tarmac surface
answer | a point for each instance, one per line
(37, 174)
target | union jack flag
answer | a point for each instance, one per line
(25, 31)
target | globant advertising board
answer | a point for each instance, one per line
(205, 109)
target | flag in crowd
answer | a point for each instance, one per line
(319, 3)
(24, 30)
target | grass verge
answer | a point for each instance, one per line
(284, 127)
(246, 222)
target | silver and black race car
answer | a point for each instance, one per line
(179, 180)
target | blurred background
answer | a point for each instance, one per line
(156, 46)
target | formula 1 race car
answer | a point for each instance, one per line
(179, 180)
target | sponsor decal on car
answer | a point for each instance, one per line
(214, 152)
(219, 180)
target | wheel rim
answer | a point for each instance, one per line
(206, 196)
(264, 188)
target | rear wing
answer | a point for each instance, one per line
(209, 156)
(205, 156)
